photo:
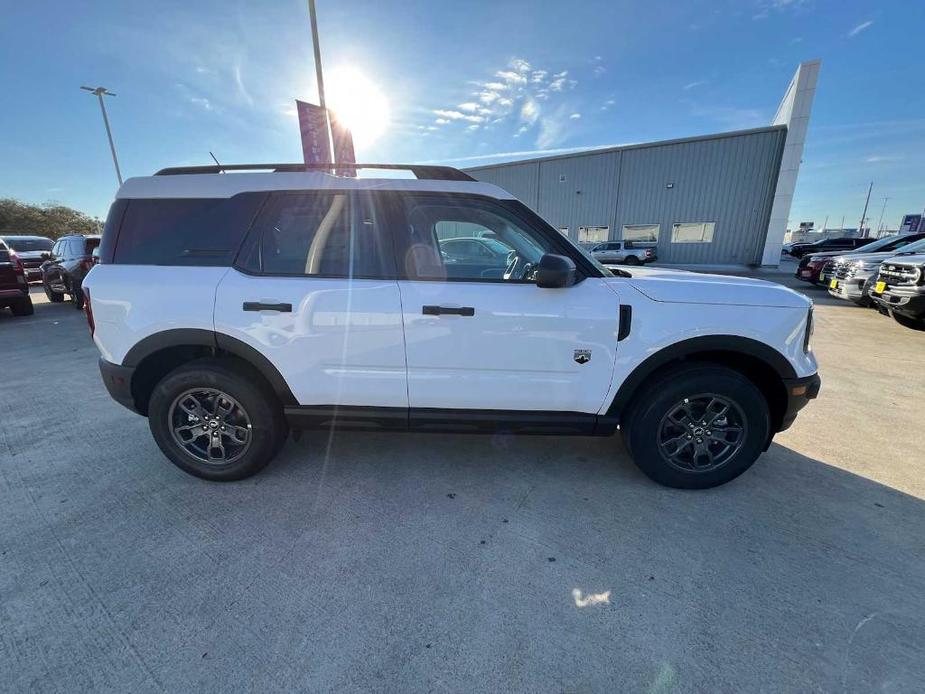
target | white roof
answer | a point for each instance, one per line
(228, 184)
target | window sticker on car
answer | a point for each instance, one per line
(582, 356)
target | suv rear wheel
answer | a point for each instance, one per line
(697, 426)
(23, 307)
(53, 296)
(216, 420)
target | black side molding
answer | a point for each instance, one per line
(258, 306)
(448, 311)
(626, 322)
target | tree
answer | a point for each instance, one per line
(51, 219)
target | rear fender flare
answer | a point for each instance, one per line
(217, 342)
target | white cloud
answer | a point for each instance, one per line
(552, 129)
(441, 121)
(457, 115)
(538, 76)
(504, 101)
(529, 112)
(472, 127)
(559, 81)
(201, 101)
(495, 86)
(882, 158)
(511, 77)
(520, 65)
(575, 116)
(693, 85)
(469, 106)
(599, 70)
(860, 27)
(488, 97)
(608, 104)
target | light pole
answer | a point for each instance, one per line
(319, 74)
(880, 223)
(864, 213)
(100, 92)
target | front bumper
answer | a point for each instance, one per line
(906, 301)
(808, 273)
(799, 392)
(851, 288)
(118, 381)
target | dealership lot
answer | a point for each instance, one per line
(400, 562)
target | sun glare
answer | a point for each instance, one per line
(359, 103)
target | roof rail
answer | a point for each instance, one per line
(421, 171)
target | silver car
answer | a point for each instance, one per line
(847, 277)
(623, 252)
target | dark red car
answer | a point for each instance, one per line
(14, 290)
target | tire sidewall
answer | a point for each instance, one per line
(261, 407)
(665, 393)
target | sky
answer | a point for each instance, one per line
(458, 82)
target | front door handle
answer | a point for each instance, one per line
(260, 306)
(447, 311)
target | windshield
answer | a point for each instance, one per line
(887, 243)
(27, 245)
(917, 247)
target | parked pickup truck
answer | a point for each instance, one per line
(900, 290)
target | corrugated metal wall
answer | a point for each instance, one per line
(726, 179)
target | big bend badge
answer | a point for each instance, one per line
(582, 356)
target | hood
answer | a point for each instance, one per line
(827, 254)
(908, 259)
(30, 255)
(679, 286)
(879, 257)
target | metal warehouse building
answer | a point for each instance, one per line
(715, 199)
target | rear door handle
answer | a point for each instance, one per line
(447, 311)
(260, 306)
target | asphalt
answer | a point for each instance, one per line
(407, 563)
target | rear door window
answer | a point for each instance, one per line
(324, 234)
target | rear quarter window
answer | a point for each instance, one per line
(184, 231)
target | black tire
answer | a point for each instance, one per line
(631, 260)
(23, 307)
(77, 298)
(259, 404)
(907, 322)
(652, 405)
(53, 297)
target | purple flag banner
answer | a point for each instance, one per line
(343, 145)
(316, 148)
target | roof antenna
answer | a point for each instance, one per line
(220, 167)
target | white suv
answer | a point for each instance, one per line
(230, 308)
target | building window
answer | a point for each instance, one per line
(593, 234)
(563, 231)
(641, 233)
(692, 232)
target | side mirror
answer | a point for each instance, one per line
(46, 255)
(555, 272)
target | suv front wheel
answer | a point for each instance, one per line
(697, 426)
(216, 419)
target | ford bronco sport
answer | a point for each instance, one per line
(232, 307)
